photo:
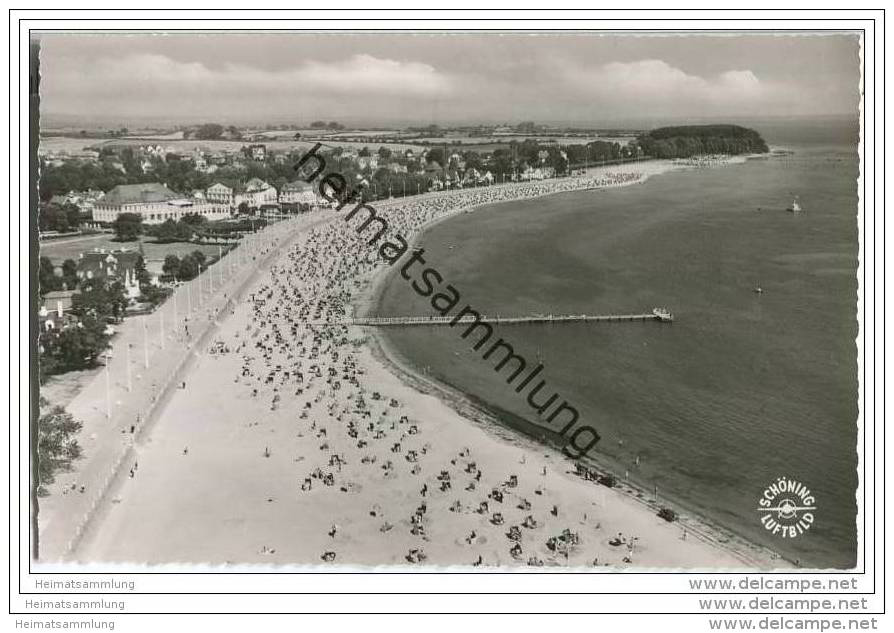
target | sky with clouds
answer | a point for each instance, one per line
(584, 78)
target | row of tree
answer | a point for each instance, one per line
(78, 176)
(126, 167)
(184, 268)
(98, 303)
(129, 226)
(182, 230)
(78, 346)
(323, 125)
(213, 132)
(182, 175)
(72, 348)
(47, 279)
(100, 299)
(55, 217)
(228, 229)
(57, 444)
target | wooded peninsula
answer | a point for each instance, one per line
(693, 140)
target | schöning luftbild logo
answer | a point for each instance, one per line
(787, 507)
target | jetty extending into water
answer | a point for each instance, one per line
(658, 314)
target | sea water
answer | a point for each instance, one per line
(743, 388)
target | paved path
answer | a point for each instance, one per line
(75, 240)
(147, 356)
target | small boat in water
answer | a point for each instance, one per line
(795, 207)
(758, 290)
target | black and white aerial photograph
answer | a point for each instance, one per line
(424, 301)
(575, 309)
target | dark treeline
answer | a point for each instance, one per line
(227, 229)
(693, 140)
(213, 132)
(124, 167)
(62, 218)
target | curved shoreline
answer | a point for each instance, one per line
(230, 514)
(487, 416)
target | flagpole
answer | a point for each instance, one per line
(108, 391)
(127, 361)
(145, 343)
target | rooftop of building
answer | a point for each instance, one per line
(255, 184)
(143, 193)
(298, 185)
(123, 256)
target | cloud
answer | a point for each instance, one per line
(369, 74)
(741, 81)
(157, 78)
(653, 81)
(162, 78)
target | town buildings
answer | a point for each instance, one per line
(55, 310)
(219, 193)
(83, 200)
(106, 266)
(298, 193)
(257, 152)
(256, 194)
(155, 203)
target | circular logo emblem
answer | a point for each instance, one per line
(787, 507)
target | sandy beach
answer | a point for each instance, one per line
(121, 400)
(305, 445)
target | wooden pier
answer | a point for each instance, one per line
(662, 316)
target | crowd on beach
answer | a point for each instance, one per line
(706, 161)
(295, 443)
(363, 436)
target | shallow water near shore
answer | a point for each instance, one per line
(743, 388)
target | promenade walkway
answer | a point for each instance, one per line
(147, 357)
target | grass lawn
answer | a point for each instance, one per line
(70, 248)
(59, 251)
(156, 252)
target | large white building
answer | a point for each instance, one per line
(220, 194)
(256, 194)
(155, 203)
(298, 192)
